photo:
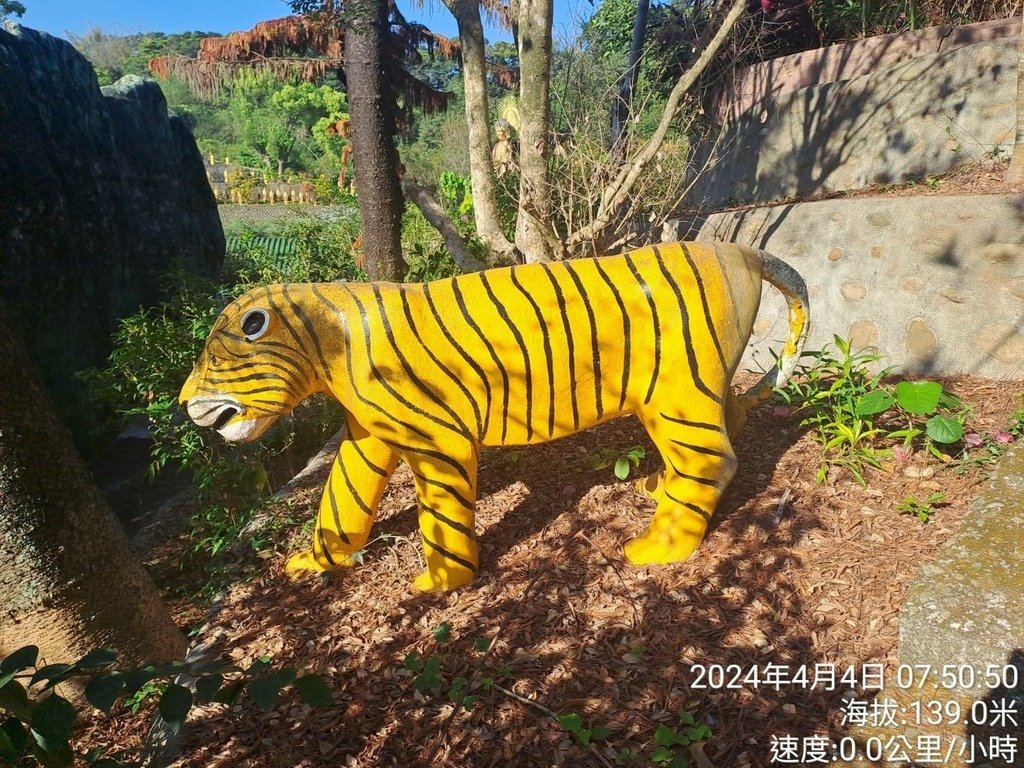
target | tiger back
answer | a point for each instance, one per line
(510, 356)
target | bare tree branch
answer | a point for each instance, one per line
(616, 193)
(433, 213)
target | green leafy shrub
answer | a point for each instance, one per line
(36, 723)
(857, 418)
(155, 349)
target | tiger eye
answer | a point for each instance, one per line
(254, 323)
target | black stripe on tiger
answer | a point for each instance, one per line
(654, 323)
(449, 555)
(410, 372)
(297, 369)
(310, 330)
(703, 513)
(693, 424)
(465, 355)
(546, 339)
(625, 332)
(455, 525)
(335, 511)
(695, 478)
(455, 492)
(444, 459)
(347, 341)
(241, 379)
(461, 303)
(560, 298)
(684, 318)
(250, 366)
(369, 464)
(699, 449)
(503, 314)
(707, 307)
(283, 317)
(257, 391)
(323, 546)
(383, 380)
(444, 368)
(596, 351)
(354, 493)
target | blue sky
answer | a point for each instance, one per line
(59, 17)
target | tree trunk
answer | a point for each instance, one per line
(481, 168)
(624, 99)
(534, 236)
(1015, 173)
(370, 103)
(69, 580)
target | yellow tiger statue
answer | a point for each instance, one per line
(510, 356)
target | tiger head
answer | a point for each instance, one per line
(256, 366)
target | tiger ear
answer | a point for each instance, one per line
(255, 323)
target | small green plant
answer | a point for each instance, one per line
(923, 510)
(37, 723)
(623, 461)
(856, 417)
(584, 737)
(932, 182)
(668, 739)
(428, 677)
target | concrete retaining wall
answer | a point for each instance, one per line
(846, 61)
(935, 283)
(922, 116)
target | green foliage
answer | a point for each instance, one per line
(923, 510)
(37, 724)
(623, 461)
(857, 418)
(850, 19)
(424, 250)
(10, 8)
(668, 739)
(584, 737)
(154, 351)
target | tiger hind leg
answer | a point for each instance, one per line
(737, 408)
(699, 463)
(358, 477)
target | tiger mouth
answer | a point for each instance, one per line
(224, 417)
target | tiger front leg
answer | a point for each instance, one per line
(358, 477)
(699, 463)
(446, 490)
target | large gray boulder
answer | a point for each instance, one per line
(101, 191)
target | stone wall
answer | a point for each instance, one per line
(918, 117)
(935, 283)
(100, 192)
(846, 61)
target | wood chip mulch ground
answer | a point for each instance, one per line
(794, 573)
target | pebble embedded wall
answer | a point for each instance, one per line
(935, 283)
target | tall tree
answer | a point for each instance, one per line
(624, 98)
(364, 42)
(70, 582)
(468, 15)
(1015, 173)
(370, 73)
(535, 237)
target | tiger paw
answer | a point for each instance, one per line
(652, 486)
(443, 582)
(659, 549)
(307, 561)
